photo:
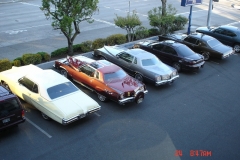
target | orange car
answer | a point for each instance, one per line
(105, 78)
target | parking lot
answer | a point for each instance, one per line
(196, 116)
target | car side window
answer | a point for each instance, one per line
(27, 83)
(97, 75)
(126, 57)
(218, 30)
(88, 70)
(170, 50)
(135, 60)
(35, 88)
(190, 40)
(229, 33)
(158, 47)
(201, 43)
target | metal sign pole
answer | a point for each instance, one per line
(209, 13)
(190, 18)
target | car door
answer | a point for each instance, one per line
(171, 55)
(25, 87)
(158, 50)
(221, 35)
(86, 76)
(125, 61)
(191, 42)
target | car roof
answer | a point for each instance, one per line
(201, 36)
(232, 28)
(47, 78)
(139, 53)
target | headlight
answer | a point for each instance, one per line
(158, 78)
(174, 73)
(141, 88)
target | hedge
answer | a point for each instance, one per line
(5, 64)
(30, 58)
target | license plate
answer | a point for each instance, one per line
(6, 120)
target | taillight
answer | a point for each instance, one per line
(22, 113)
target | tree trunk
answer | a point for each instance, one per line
(164, 7)
(70, 48)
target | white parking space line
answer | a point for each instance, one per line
(23, 29)
(97, 114)
(29, 4)
(40, 129)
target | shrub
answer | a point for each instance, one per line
(30, 58)
(16, 63)
(20, 59)
(59, 52)
(5, 64)
(153, 32)
(141, 32)
(45, 56)
(86, 46)
(179, 23)
(98, 43)
(116, 39)
(77, 48)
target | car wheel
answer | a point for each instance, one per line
(6, 86)
(205, 55)
(101, 98)
(139, 98)
(177, 66)
(102, 58)
(64, 73)
(45, 117)
(139, 77)
(236, 48)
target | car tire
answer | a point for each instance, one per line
(139, 77)
(101, 98)
(139, 98)
(236, 48)
(45, 117)
(64, 73)
(177, 66)
(206, 55)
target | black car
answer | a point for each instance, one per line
(203, 44)
(11, 110)
(173, 53)
(228, 35)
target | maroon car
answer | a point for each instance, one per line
(108, 80)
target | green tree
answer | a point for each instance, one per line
(66, 15)
(128, 23)
(168, 22)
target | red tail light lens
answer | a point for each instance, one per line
(23, 113)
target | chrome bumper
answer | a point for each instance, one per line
(130, 99)
(227, 55)
(166, 81)
(70, 120)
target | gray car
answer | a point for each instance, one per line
(141, 64)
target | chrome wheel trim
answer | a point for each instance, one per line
(236, 48)
(177, 66)
(64, 73)
(139, 77)
(101, 98)
(205, 55)
(140, 100)
(45, 116)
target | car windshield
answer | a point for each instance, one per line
(213, 43)
(61, 90)
(185, 51)
(150, 62)
(114, 76)
(7, 106)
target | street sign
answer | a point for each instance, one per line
(190, 2)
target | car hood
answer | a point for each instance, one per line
(222, 48)
(125, 85)
(74, 104)
(161, 69)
